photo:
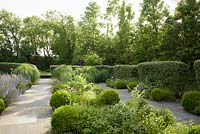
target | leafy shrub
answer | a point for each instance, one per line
(164, 74)
(110, 83)
(65, 120)
(190, 100)
(92, 59)
(102, 75)
(178, 128)
(91, 121)
(88, 98)
(108, 97)
(2, 106)
(194, 129)
(60, 98)
(131, 85)
(197, 70)
(63, 73)
(120, 84)
(125, 72)
(7, 67)
(97, 89)
(28, 71)
(197, 110)
(159, 94)
(59, 86)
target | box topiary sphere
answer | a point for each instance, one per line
(60, 98)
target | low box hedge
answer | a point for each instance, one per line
(161, 74)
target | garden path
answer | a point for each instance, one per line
(175, 107)
(31, 113)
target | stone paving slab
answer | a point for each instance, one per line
(31, 113)
(175, 107)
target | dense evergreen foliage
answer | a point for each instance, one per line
(56, 38)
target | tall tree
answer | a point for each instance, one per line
(9, 34)
(149, 29)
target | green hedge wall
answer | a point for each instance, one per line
(160, 74)
(7, 67)
(125, 72)
(197, 70)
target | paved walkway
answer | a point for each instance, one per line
(31, 113)
(175, 107)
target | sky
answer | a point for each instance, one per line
(75, 8)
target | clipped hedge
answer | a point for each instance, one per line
(194, 129)
(125, 72)
(7, 67)
(197, 70)
(161, 74)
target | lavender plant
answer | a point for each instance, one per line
(8, 84)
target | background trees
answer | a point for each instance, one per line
(113, 37)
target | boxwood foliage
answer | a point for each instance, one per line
(7, 67)
(191, 101)
(197, 70)
(161, 74)
(125, 72)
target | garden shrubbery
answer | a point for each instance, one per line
(60, 98)
(28, 71)
(118, 84)
(164, 74)
(131, 85)
(59, 86)
(2, 106)
(197, 70)
(63, 73)
(108, 97)
(125, 72)
(8, 67)
(194, 129)
(159, 94)
(191, 101)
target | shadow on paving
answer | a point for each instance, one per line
(175, 107)
(31, 113)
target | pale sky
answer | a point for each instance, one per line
(75, 8)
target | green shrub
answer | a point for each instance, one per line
(87, 98)
(63, 73)
(159, 94)
(125, 72)
(194, 129)
(29, 71)
(131, 85)
(108, 97)
(102, 76)
(30, 84)
(59, 86)
(197, 110)
(120, 84)
(178, 128)
(164, 74)
(2, 106)
(110, 83)
(97, 89)
(8, 67)
(60, 98)
(197, 70)
(65, 120)
(190, 100)
(92, 59)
